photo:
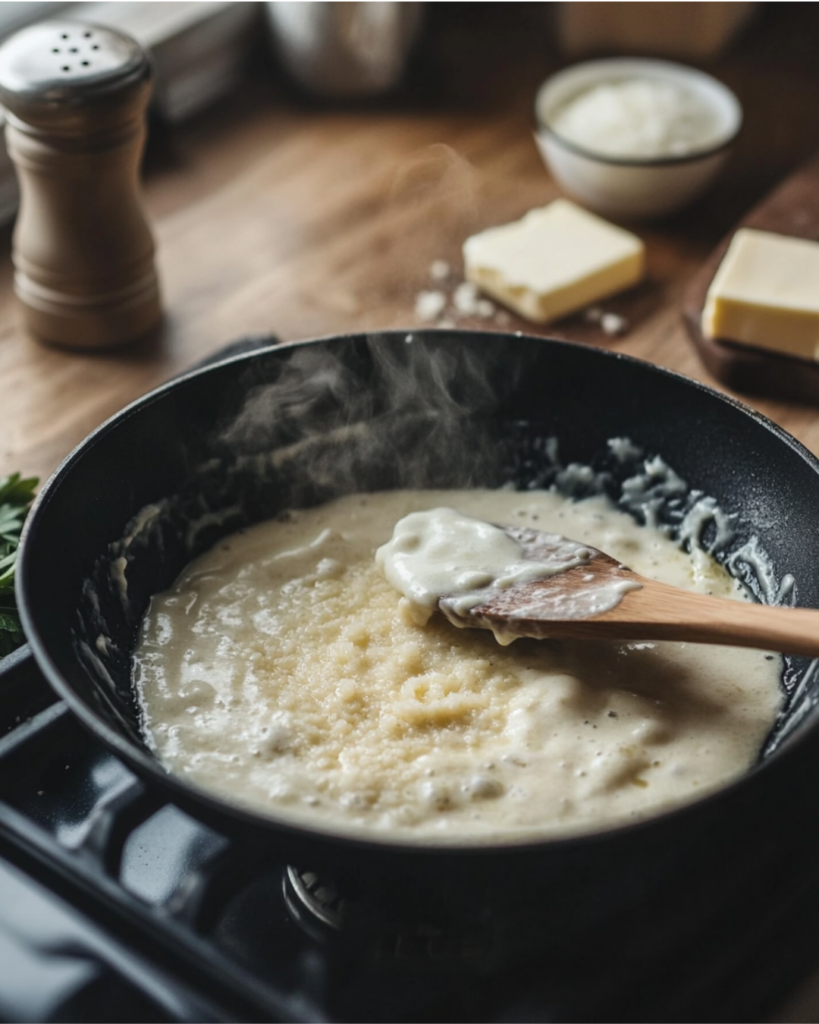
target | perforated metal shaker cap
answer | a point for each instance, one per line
(65, 76)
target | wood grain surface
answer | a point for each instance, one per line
(276, 213)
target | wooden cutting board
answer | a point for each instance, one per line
(791, 209)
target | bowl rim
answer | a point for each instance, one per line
(591, 72)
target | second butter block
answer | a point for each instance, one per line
(766, 294)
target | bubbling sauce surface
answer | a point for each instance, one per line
(281, 673)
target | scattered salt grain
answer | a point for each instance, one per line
(593, 314)
(445, 308)
(613, 324)
(429, 305)
(467, 300)
(439, 270)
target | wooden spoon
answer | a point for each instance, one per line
(650, 611)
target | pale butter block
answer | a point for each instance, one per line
(766, 294)
(554, 261)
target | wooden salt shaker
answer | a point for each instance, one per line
(75, 98)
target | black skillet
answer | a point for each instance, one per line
(236, 442)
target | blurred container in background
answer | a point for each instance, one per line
(692, 31)
(344, 50)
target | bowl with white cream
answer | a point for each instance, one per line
(635, 138)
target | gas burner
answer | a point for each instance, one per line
(319, 908)
(314, 904)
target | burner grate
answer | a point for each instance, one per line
(71, 816)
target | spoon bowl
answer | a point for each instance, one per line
(564, 605)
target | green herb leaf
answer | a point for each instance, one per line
(16, 495)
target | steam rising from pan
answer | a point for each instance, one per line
(327, 424)
(420, 419)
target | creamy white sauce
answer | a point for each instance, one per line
(442, 554)
(279, 673)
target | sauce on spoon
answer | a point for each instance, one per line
(442, 559)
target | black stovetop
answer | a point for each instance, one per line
(117, 905)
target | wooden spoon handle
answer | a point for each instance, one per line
(661, 612)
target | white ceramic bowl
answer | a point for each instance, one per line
(634, 186)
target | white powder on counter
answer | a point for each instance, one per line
(451, 301)
(429, 305)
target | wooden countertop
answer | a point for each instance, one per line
(276, 214)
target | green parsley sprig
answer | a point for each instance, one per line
(16, 495)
